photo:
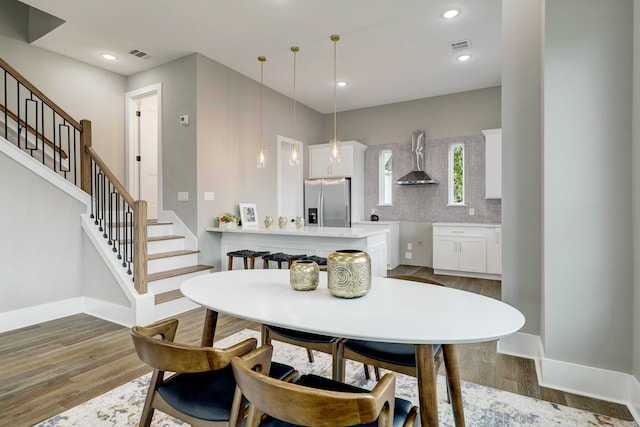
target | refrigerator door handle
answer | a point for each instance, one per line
(320, 210)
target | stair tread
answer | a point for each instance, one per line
(161, 255)
(167, 237)
(177, 272)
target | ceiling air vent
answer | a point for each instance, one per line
(139, 54)
(460, 45)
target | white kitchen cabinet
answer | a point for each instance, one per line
(393, 239)
(494, 250)
(351, 165)
(351, 160)
(463, 250)
(493, 163)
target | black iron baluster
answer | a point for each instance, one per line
(130, 241)
(93, 190)
(119, 224)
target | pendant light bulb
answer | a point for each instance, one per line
(334, 144)
(262, 158)
(294, 159)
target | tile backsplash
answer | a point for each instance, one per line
(428, 203)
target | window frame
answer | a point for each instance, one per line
(451, 175)
(383, 175)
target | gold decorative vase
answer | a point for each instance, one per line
(349, 273)
(303, 275)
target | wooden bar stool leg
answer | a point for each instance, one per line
(279, 265)
(246, 266)
(265, 264)
(253, 262)
(230, 263)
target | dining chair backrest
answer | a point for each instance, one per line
(202, 390)
(306, 406)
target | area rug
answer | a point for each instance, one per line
(483, 406)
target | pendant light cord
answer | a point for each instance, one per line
(335, 39)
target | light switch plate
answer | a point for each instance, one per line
(209, 195)
(183, 196)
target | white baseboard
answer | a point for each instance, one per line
(110, 312)
(612, 386)
(28, 316)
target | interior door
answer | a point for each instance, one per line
(148, 152)
(290, 179)
(143, 177)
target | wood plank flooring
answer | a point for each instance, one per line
(50, 367)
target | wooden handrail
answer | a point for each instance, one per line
(16, 75)
(30, 128)
(103, 166)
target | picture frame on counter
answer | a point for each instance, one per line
(248, 214)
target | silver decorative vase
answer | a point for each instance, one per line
(304, 275)
(268, 222)
(349, 273)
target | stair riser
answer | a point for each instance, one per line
(159, 230)
(171, 283)
(171, 263)
(165, 246)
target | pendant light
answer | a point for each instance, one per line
(262, 160)
(294, 159)
(334, 144)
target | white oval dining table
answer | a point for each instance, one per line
(395, 311)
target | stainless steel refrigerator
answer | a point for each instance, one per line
(327, 202)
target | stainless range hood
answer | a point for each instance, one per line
(417, 176)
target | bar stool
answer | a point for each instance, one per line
(246, 255)
(280, 257)
(322, 262)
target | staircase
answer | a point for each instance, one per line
(159, 254)
(170, 261)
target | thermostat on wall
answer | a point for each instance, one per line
(184, 120)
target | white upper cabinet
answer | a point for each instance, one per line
(351, 160)
(493, 163)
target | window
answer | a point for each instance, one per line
(456, 174)
(385, 178)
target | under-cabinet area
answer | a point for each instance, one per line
(467, 249)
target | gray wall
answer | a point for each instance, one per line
(635, 151)
(587, 169)
(179, 143)
(83, 91)
(458, 114)
(522, 28)
(217, 151)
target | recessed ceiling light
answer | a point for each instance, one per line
(451, 13)
(109, 56)
(464, 57)
(342, 84)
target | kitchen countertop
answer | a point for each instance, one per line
(349, 233)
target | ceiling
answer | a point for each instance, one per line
(389, 50)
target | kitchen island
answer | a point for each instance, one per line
(318, 241)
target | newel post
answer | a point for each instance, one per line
(140, 246)
(85, 159)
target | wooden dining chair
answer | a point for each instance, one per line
(312, 400)
(201, 392)
(309, 341)
(392, 356)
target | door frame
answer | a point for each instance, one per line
(290, 141)
(131, 182)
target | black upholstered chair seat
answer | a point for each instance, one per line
(208, 395)
(401, 410)
(399, 354)
(318, 260)
(301, 336)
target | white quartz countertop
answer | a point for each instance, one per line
(375, 222)
(348, 233)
